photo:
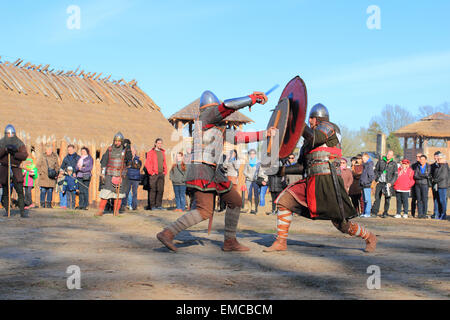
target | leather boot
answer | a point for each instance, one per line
(278, 245)
(166, 237)
(101, 207)
(233, 245)
(371, 243)
(252, 211)
(24, 214)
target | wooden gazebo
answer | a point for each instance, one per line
(187, 116)
(418, 134)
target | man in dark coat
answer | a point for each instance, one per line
(12, 145)
(71, 159)
(422, 178)
(413, 189)
(440, 183)
(205, 174)
(365, 182)
(355, 191)
(322, 194)
(386, 173)
(114, 164)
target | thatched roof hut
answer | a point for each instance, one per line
(435, 126)
(56, 107)
(417, 135)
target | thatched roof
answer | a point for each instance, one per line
(190, 113)
(46, 104)
(435, 126)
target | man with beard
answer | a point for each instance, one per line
(11, 145)
(205, 174)
(114, 163)
(322, 195)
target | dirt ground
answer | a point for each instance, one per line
(120, 258)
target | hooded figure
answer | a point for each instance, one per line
(12, 145)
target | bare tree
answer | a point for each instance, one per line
(369, 136)
(426, 111)
(393, 118)
(351, 142)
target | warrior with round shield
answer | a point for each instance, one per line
(322, 194)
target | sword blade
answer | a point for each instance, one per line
(272, 89)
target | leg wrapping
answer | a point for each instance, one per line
(284, 219)
(187, 220)
(231, 222)
(357, 230)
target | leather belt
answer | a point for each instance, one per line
(321, 168)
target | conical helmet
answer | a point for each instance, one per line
(319, 111)
(208, 98)
(118, 137)
(10, 131)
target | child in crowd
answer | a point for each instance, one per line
(30, 174)
(70, 188)
(59, 189)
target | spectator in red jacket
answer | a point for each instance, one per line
(402, 187)
(156, 167)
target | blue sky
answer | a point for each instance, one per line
(178, 49)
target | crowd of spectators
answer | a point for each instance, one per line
(363, 179)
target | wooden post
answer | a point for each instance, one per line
(62, 154)
(425, 146)
(63, 149)
(98, 168)
(55, 197)
(190, 129)
(94, 177)
(39, 154)
(142, 194)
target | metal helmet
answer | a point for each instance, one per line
(319, 111)
(208, 98)
(9, 130)
(119, 136)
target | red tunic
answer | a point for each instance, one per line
(317, 192)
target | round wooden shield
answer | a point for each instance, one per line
(279, 120)
(295, 91)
